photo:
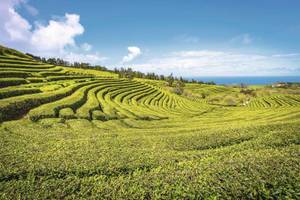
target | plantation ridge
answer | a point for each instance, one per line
(73, 133)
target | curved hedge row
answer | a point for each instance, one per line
(90, 97)
(77, 96)
(39, 66)
(14, 74)
(7, 92)
(57, 78)
(15, 107)
(54, 69)
(5, 82)
(275, 101)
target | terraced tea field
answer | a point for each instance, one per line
(69, 133)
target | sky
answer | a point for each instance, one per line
(185, 37)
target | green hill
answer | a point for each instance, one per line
(12, 53)
(75, 133)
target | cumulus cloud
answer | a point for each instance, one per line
(57, 34)
(54, 39)
(133, 52)
(221, 63)
(12, 26)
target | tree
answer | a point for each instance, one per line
(129, 73)
(179, 87)
(210, 83)
(243, 85)
(122, 72)
(250, 92)
(170, 80)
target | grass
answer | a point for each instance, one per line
(83, 134)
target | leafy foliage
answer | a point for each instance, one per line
(89, 134)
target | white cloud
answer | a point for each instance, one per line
(54, 39)
(86, 46)
(57, 34)
(218, 63)
(133, 52)
(12, 26)
(290, 55)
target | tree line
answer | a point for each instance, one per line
(122, 72)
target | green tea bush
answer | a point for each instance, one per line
(99, 115)
(17, 106)
(67, 113)
(92, 104)
(56, 78)
(74, 101)
(35, 79)
(22, 62)
(5, 82)
(46, 74)
(13, 65)
(110, 138)
(8, 92)
(230, 101)
(8, 74)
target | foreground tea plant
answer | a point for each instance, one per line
(73, 134)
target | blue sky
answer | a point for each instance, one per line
(188, 38)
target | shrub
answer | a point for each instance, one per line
(215, 99)
(18, 74)
(14, 108)
(110, 113)
(26, 66)
(99, 115)
(92, 103)
(17, 91)
(5, 82)
(45, 74)
(36, 80)
(250, 92)
(230, 101)
(74, 101)
(67, 113)
(56, 78)
(178, 90)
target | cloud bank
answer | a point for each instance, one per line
(221, 63)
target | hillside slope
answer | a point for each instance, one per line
(45, 91)
(69, 133)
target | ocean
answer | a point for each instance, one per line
(249, 80)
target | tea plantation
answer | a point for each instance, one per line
(68, 133)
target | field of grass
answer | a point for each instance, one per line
(69, 133)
